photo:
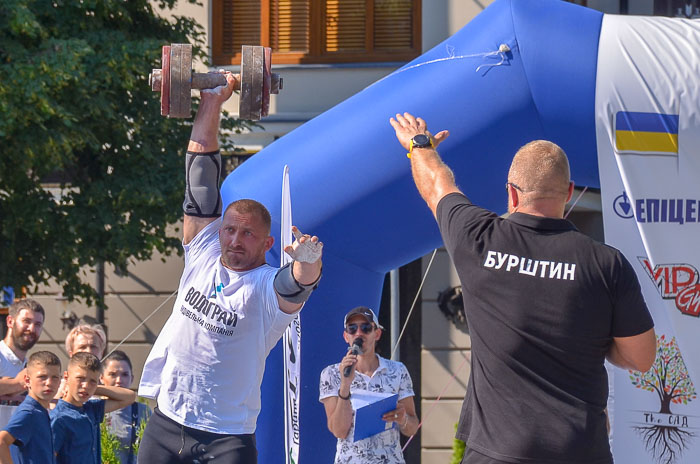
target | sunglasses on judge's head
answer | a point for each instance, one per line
(365, 327)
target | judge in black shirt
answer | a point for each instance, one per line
(545, 306)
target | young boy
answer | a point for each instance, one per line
(75, 421)
(29, 428)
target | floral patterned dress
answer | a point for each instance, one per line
(385, 447)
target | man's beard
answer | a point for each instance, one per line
(23, 343)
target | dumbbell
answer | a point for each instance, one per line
(175, 81)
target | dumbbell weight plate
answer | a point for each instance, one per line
(258, 71)
(165, 81)
(246, 97)
(252, 76)
(180, 80)
(267, 81)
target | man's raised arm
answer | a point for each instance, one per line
(202, 203)
(431, 175)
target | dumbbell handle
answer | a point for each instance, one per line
(212, 80)
(199, 80)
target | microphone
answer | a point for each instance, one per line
(356, 349)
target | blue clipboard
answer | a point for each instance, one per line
(368, 417)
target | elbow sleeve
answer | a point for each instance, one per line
(202, 174)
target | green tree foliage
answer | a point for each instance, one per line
(668, 377)
(76, 110)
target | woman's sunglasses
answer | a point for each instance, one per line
(365, 327)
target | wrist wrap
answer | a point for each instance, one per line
(289, 289)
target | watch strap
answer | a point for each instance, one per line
(411, 147)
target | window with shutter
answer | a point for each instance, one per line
(289, 25)
(345, 26)
(689, 9)
(317, 31)
(241, 22)
(393, 25)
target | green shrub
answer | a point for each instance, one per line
(111, 444)
(458, 447)
(139, 436)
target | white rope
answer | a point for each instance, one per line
(427, 269)
(501, 52)
(575, 201)
(420, 287)
(137, 327)
(467, 357)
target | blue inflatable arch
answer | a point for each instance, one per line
(351, 182)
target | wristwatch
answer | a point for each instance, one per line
(420, 141)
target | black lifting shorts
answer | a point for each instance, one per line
(165, 441)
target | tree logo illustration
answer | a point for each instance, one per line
(664, 436)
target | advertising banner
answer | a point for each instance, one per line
(291, 340)
(648, 137)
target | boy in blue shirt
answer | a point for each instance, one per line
(75, 421)
(29, 428)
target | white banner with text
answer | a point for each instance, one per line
(648, 137)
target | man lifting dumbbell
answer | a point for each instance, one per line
(206, 367)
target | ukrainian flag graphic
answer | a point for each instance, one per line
(646, 132)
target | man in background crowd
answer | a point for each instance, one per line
(25, 321)
(86, 338)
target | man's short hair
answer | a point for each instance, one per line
(87, 361)
(88, 329)
(248, 206)
(26, 303)
(43, 358)
(118, 355)
(540, 168)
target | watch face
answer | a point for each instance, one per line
(421, 140)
